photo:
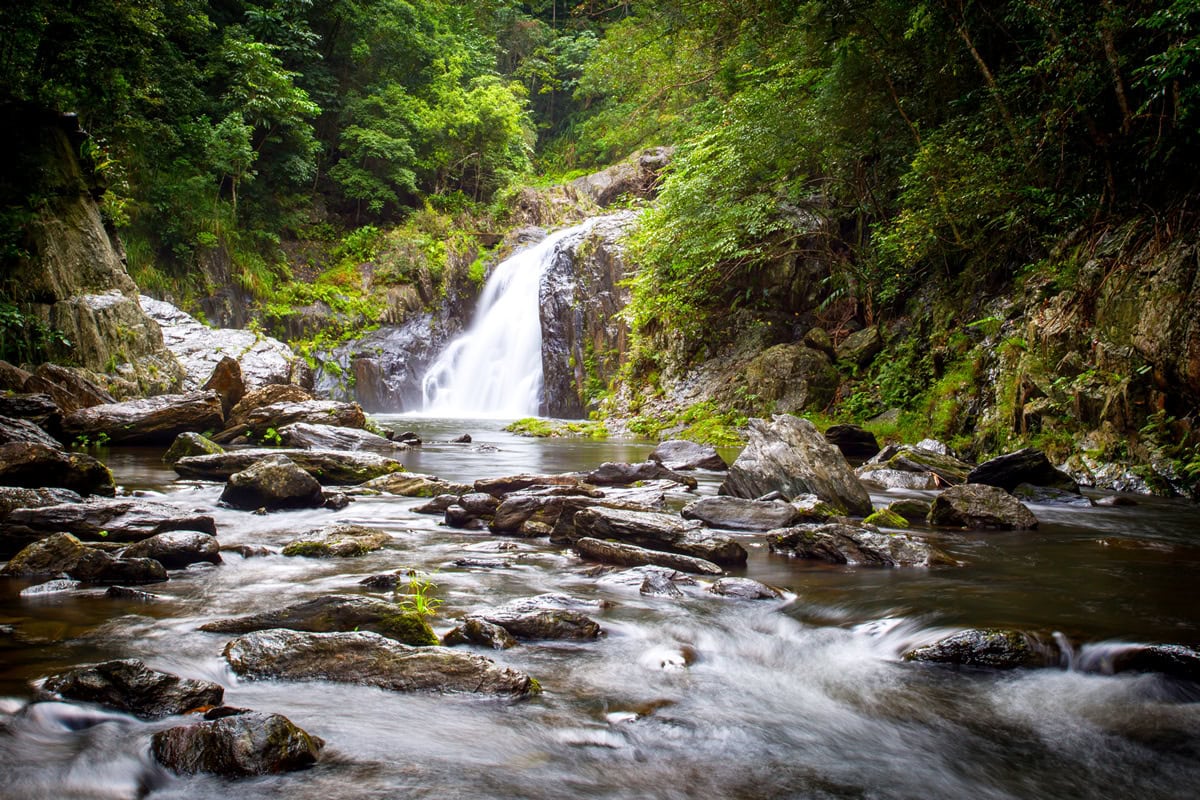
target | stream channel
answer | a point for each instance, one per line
(702, 696)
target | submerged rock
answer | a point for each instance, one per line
(839, 543)
(657, 532)
(330, 467)
(38, 466)
(995, 648)
(129, 685)
(242, 744)
(64, 554)
(980, 507)
(372, 660)
(1048, 495)
(177, 549)
(1024, 466)
(790, 456)
(338, 541)
(679, 454)
(150, 420)
(1172, 660)
(99, 520)
(274, 482)
(336, 613)
(736, 513)
(629, 555)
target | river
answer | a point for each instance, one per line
(700, 697)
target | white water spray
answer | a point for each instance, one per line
(494, 370)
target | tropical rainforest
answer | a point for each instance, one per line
(930, 155)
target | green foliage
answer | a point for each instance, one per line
(546, 428)
(25, 338)
(702, 422)
(417, 596)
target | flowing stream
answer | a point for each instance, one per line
(700, 697)
(494, 369)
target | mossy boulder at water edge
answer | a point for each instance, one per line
(336, 613)
(886, 518)
(410, 484)
(129, 685)
(190, 444)
(371, 660)
(274, 482)
(240, 745)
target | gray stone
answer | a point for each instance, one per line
(331, 437)
(542, 617)
(736, 513)
(612, 473)
(99, 520)
(151, 420)
(678, 454)
(13, 497)
(20, 430)
(632, 556)
(994, 648)
(980, 507)
(839, 543)
(474, 630)
(327, 466)
(274, 482)
(176, 549)
(930, 469)
(744, 589)
(1023, 466)
(240, 745)
(129, 685)
(861, 346)
(657, 532)
(338, 541)
(63, 554)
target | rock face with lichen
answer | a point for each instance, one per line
(336, 613)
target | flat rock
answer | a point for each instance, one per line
(548, 616)
(658, 532)
(512, 483)
(272, 483)
(411, 484)
(256, 421)
(886, 478)
(679, 454)
(790, 456)
(336, 613)
(240, 745)
(150, 420)
(979, 507)
(522, 513)
(12, 497)
(99, 520)
(370, 659)
(839, 543)
(35, 407)
(267, 395)
(744, 589)
(177, 549)
(740, 514)
(612, 473)
(1024, 466)
(38, 466)
(338, 541)
(306, 435)
(1048, 495)
(129, 685)
(64, 554)
(629, 555)
(330, 467)
(994, 648)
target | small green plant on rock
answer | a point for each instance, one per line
(272, 437)
(418, 597)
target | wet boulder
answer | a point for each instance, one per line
(1024, 466)
(257, 421)
(474, 630)
(13, 497)
(226, 380)
(99, 520)
(267, 395)
(908, 467)
(613, 473)
(856, 444)
(658, 532)
(64, 554)
(39, 409)
(679, 454)
(336, 613)
(20, 430)
(1048, 495)
(549, 616)
(437, 505)
(372, 660)
(839, 543)
(629, 555)
(177, 549)
(69, 389)
(994, 648)
(474, 507)
(272, 483)
(411, 484)
(239, 745)
(739, 514)
(744, 589)
(150, 420)
(331, 437)
(338, 541)
(913, 510)
(190, 444)
(129, 685)
(330, 467)
(978, 507)
(514, 483)
(37, 466)
(1172, 660)
(790, 456)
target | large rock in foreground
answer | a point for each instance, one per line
(658, 532)
(838, 543)
(330, 467)
(99, 520)
(62, 553)
(336, 613)
(129, 685)
(994, 648)
(788, 455)
(275, 482)
(151, 420)
(37, 466)
(980, 507)
(371, 660)
(249, 743)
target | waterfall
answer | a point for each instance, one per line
(495, 368)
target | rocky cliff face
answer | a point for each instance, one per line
(70, 273)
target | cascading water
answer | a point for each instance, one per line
(494, 370)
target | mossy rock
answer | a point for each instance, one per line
(190, 444)
(886, 518)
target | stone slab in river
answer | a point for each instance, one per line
(629, 555)
(330, 467)
(177, 549)
(119, 520)
(739, 514)
(657, 532)
(839, 543)
(789, 455)
(335, 613)
(64, 554)
(372, 660)
(129, 685)
(151, 420)
(334, 437)
(1023, 466)
(240, 745)
(677, 454)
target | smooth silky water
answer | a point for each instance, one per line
(700, 697)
